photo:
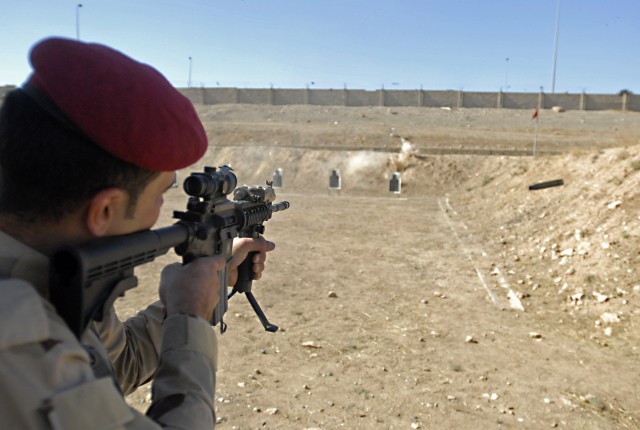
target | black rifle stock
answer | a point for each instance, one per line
(87, 279)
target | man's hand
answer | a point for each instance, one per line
(241, 249)
(192, 288)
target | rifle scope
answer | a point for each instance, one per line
(211, 183)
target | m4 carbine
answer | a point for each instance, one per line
(87, 279)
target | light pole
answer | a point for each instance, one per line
(506, 73)
(189, 82)
(555, 50)
(78, 21)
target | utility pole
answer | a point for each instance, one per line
(506, 74)
(555, 50)
(78, 21)
(189, 82)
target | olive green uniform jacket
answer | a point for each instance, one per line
(49, 380)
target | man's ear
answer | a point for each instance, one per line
(105, 209)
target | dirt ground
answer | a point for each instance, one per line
(467, 301)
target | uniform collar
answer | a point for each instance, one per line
(18, 260)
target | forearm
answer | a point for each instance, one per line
(184, 385)
(133, 346)
(179, 353)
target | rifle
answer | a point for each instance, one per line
(87, 279)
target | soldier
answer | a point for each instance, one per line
(88, 146)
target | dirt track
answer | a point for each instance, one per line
(438, 308)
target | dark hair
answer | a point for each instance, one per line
(48, 170)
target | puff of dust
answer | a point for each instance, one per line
(401, 161)
(365, 160)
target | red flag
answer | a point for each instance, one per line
(535, 114)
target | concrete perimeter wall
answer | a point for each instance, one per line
(417, 98)
(4, 90)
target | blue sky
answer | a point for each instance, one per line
(360, 44)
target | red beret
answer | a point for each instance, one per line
(126, 107)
